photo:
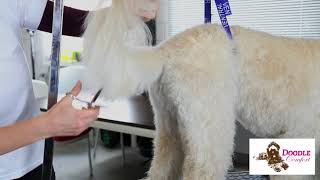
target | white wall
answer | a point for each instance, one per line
(162, 21)
(87, 4)
(293, 18)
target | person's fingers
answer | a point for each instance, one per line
(76, 89)
(90, 113)
(81, 130)
(94, 110)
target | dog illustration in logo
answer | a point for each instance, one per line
(273, 157)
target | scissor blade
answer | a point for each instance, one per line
(95, 97)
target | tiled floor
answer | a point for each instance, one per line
(71, 163)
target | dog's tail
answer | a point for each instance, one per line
(112, 54)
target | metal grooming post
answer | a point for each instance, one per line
(207, 11)
(31, 35)
(54, 81)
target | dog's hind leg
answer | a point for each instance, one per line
(209, 150)
(209, 147)
(209, 128)
(168, 155)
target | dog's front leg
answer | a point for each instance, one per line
(167, 161)
(168, 154)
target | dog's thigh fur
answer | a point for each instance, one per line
(168, 154)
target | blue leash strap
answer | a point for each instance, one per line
(224, 10)
(207, 11)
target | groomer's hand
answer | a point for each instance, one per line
(64, 120)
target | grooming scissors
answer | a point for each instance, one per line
(90, 104)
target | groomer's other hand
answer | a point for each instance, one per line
(64, 120)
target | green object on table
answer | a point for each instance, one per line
(70, 56)
(76, 55)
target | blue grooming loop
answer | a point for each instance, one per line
(224, 10)
(207, 11)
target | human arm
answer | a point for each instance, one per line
(61, 120)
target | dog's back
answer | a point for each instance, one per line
(277, 78)
(279, 84)
(272, 82)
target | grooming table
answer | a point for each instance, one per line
(130, 116)
(134, 116)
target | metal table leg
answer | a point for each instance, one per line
(89, 155)
(96, 133)
(123, 149)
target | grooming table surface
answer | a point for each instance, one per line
(131, 116)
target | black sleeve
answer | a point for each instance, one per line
(73, 20)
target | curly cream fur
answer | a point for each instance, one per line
(198, 87)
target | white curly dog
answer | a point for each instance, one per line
(199, 87)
